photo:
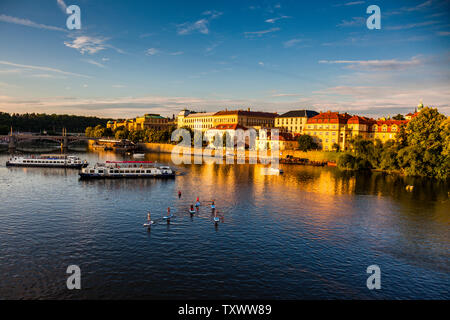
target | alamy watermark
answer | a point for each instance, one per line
(74, 20)
(374, 21)
(236, 146)
(74, 280)
(374, 280)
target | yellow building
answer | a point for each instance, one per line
(207, 120)
(329, 128)
(196, 121)
(248, 118)
(148, 121)
(294, 121)
(385, 130)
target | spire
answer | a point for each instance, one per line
(420, 106)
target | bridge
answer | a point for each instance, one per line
(64, 140)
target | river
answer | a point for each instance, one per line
(310, 233)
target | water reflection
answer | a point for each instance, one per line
(309, 233)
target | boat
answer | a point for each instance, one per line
(126, 169)
(139, 155)
(47, 161)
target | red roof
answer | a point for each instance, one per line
(330, 117)
(389, 124)
(361, 120)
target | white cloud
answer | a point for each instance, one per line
(291, 43)
(355, 21)
(201, 25)
(260, 33)
(28, 23)
(347, 4)
(273, 20)
(392, 64)
(177, 53)
(412, 25)
(40, 68)
(152, 51)
(87, 44)
(118, 86)
(95, 63)
(62, 5)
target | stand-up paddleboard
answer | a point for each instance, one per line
(168, 217)
(148, 224)
(191, 211)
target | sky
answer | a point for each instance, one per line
(135, 57)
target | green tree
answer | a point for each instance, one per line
(335, 147)
(89, 132)
(121, 134)
(426, 150)
(398, 117)
(306, 143)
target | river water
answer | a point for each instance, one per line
(310, 233)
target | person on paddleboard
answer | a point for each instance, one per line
(192, 207)
(179, 194)
(168, 212)
(148, 217)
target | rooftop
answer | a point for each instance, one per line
(299, 113)
(247, 113)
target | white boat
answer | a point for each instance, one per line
(139, 155)
(126, 169)
(47, 161)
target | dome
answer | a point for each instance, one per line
(184, 113)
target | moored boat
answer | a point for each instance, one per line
(47, 161)
(126, 169)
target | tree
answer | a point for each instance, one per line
(346, 161)
(99, 131)
(121, 134)
(335, 147)
(398, 117)
(89, 132)
(426, 150)
(306, 143)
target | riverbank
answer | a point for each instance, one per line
(317, 156)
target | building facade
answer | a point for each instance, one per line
(385, 130)
(148, 121)
(206, 120)
(246, 118)
(195, 120)
(329, 128)
(294, 121)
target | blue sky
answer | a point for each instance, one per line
(135, 57)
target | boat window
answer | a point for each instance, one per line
(100, 171)
(92, 171)
(149, 171)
